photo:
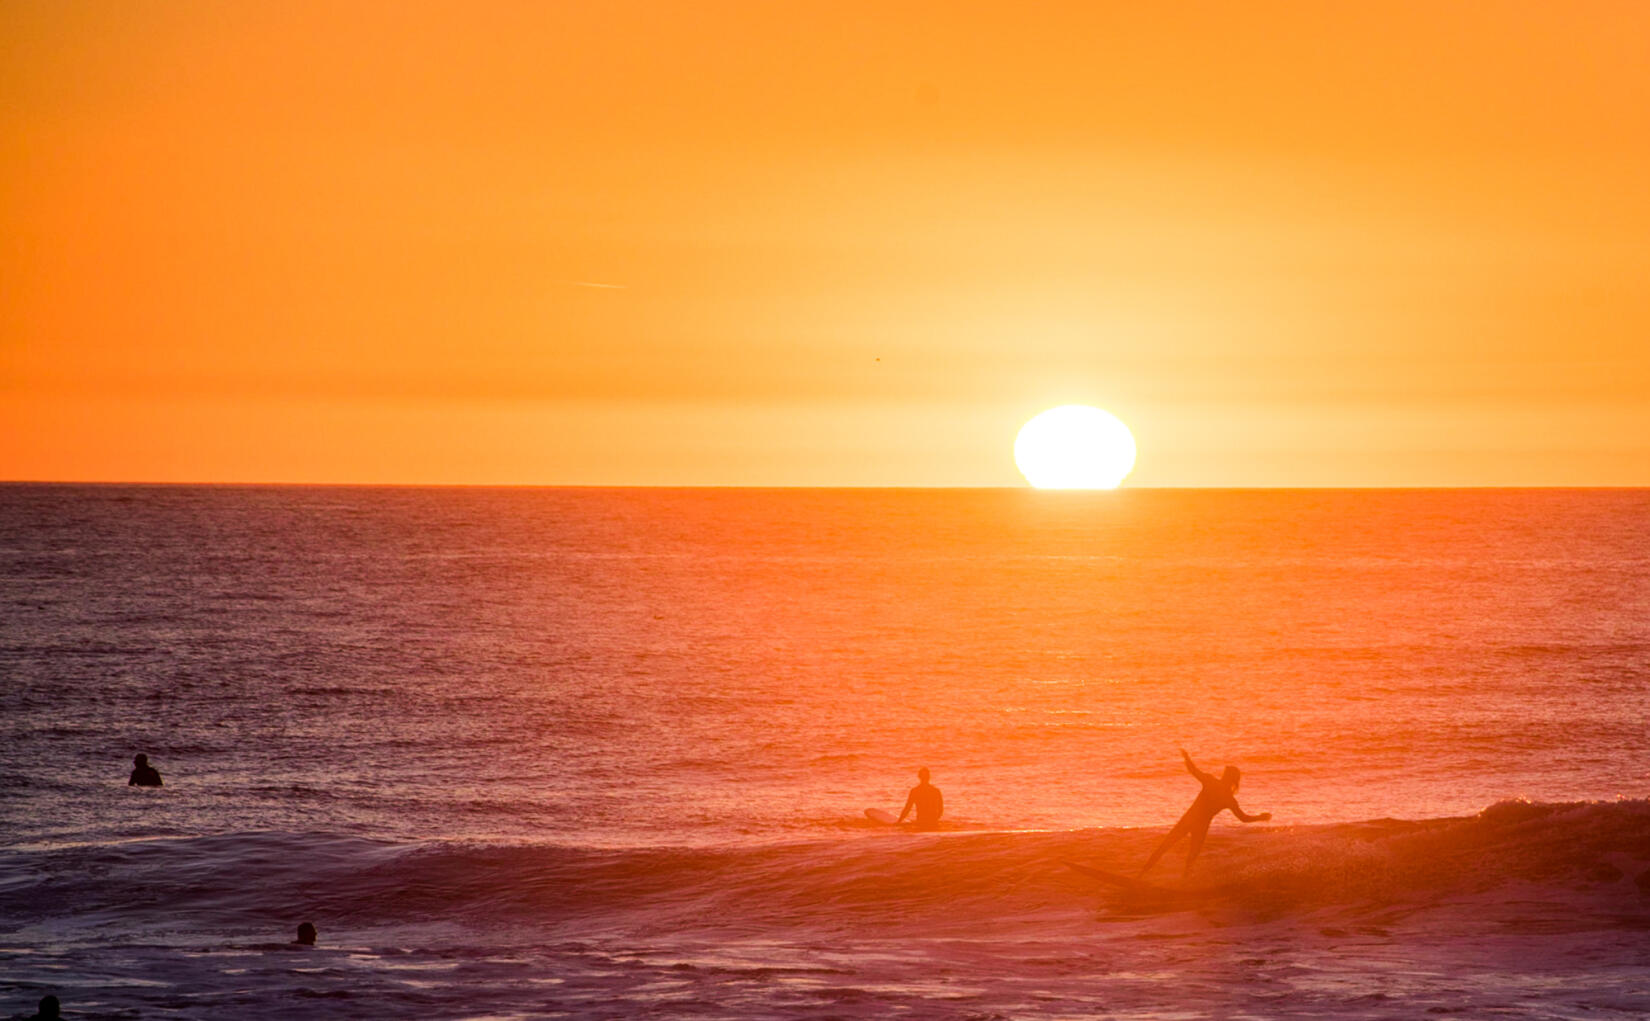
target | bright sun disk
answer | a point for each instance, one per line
(1074, 446)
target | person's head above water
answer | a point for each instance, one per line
(140, 760)
(306, 934)
(49, 1007)
(1230, 777)
(922, 774)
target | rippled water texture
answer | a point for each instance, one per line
(605, 752)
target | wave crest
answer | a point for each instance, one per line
(1579, 858)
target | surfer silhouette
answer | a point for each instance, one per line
(306, 935)
(143, 774)
(925, 798)
(50, 1010)
(1217, 795)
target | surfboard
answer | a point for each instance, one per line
(1122, 882)
(1159, 896)
(878, 815)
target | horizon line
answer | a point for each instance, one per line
(241, 484)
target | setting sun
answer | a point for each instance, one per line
(1074, 446)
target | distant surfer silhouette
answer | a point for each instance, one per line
(1217, 795)
(925, 798)
(143, 774)
(306, 935)
(50, 1010)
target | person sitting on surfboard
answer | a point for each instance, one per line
(925, 798)
(1215, 797)
(143, 774)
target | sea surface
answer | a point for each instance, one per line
(595, 753)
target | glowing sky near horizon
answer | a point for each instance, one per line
(823, 243)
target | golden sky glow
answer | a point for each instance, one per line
(840, 244)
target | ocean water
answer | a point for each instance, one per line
(525, 753)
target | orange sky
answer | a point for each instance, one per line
(1289, 244)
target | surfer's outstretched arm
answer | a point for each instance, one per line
(1191, 767)
(1245, 816)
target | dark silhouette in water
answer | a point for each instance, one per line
(1215, 797)
(50, 1010)
(925, 798)
(143, 774)
(306, 935)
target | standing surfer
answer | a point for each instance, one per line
(1216, 796)
(925, 798)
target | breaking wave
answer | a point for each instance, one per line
(1580, 859)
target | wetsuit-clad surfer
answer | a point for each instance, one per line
(1216, 796)
(925, 798)
(143, 774)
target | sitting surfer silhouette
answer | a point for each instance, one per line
(1216, 796)
(50, 1010)
(143, 774)
(925, 798)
